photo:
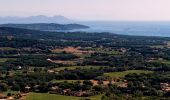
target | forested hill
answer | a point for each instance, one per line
(46, 35)
(106, 38)
(47, 27)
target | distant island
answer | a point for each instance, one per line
(36, 19)
(47, 26)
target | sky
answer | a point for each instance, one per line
(144, 10)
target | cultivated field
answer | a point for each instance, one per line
(122, 74)
(46, 96)
(73, 50)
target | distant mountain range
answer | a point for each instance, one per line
(46, 26)
(36, 19)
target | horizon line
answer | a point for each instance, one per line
(92, 20)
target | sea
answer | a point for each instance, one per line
(138, 28)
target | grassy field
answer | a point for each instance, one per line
(158, 46)
(69, 81)
(46, 96)
(5, 59)
(122, 74)
(7, 48)
(62, 68)
(104, 50)
(10, 91)
(165, 62)
(162, 61)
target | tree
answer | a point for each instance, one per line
(3, 87)
(98, 88)
(15, 87)
(85, 87)
(87, 82)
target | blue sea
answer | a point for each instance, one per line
(129, 28)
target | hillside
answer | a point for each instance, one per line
(47, 27)
(36, 34)
(82, 65)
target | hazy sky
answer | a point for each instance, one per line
(89, 9)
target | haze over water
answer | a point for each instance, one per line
(130, 28)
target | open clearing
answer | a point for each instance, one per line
(73, 50)
(122, 74)
(46, 96)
